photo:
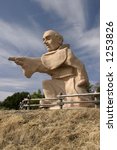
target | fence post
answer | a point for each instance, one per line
(39, 103)
(61, 103)
(28, 101)
(21, 105)
(95, 99)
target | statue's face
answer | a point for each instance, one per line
(51, 41)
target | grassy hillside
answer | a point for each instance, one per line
(50, 129)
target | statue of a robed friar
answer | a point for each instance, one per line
(68, 74)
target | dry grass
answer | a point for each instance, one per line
(50, 129)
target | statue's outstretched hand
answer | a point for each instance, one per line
(29, 65)
(17, 60)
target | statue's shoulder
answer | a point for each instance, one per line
(64, 47)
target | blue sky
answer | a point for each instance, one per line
(22, 24)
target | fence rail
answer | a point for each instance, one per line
(83, 94)
(26, 103)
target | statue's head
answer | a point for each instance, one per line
(52, 39)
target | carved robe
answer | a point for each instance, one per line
(66, 71)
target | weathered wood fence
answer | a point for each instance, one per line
(27, 102)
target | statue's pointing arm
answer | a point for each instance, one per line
(29, 65)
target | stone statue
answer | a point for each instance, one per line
(67, 72)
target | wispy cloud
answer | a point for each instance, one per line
(21, 83)
(90, 40)
(14, 83)
(74, 15)
(9, 85)
(71, 12)
(18, 38)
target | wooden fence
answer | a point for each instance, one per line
(26, 103)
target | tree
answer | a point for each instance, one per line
(37, 94)
(12, 102)
(94, 87)
(1, 104)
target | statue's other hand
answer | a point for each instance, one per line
(82, 82)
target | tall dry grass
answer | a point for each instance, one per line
(50, 129)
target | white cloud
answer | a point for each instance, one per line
(75, 14)
(86, 44)
(19, 37)
(90, 37)
(15, 83)
(71, 11)
(16, 40)
(9, 86)
(91, 41)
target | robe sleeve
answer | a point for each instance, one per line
(80, 71)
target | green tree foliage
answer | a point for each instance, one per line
(1, 105)
(94, 87)
(37, 94)
(12, 102)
